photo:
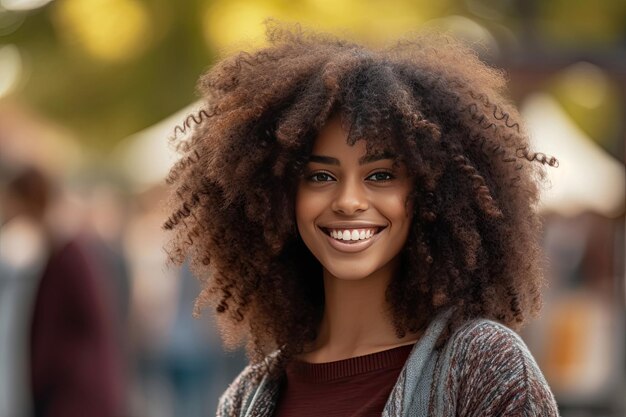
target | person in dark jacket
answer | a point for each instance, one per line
(75, 365)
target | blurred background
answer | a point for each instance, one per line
(91, 318)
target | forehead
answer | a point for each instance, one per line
(332, 140)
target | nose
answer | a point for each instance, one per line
(350, 199)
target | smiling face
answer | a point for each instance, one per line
(351, 207)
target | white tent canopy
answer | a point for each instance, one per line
(147, 156)
(588, 178)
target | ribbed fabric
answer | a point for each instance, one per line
(354, 387)
(328, 371)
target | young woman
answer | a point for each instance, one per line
(364, 220)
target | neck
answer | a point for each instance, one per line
(356, 319)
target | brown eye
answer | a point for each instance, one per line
(381, 176)
(320, 177)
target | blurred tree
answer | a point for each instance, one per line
(106, 93)
(582, 23)
(109, 68)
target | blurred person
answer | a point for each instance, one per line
(365, 220)
(107, 209)
(23, 252)
(107, 215)
(74, 364)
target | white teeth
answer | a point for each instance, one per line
(352, 234)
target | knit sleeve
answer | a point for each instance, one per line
(496, 375)
(231, 401)
(255, 388)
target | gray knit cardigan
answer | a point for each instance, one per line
(483, 370)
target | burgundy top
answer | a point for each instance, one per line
(354, 387)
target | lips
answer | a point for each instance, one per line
(364, 236)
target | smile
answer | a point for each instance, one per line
(350, 240)
(352, 235)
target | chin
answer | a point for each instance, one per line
(349, 272)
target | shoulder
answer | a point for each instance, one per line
(494, 373)
(482, 336)
(241, 391)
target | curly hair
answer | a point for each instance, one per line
(473, 238)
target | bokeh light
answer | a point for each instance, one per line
(10, 69)
(229, 25)
(23, 4)
(109, 30)
(592, 99)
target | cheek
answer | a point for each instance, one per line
(306, 209)
(400, 213)
(396, 207)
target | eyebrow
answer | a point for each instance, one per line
(362, 161)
